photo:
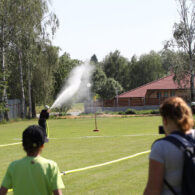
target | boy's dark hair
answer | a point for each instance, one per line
(32, 138)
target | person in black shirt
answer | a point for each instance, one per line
(44, 115)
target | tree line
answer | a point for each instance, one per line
(27, 57)
(117, 74)
(32, 70)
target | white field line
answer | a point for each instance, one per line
(133, 135)
(104, 164)
(5, 145)
(100, 136)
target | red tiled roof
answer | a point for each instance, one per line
(163, 83)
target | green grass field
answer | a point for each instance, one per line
(74, 145)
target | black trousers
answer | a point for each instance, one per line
(42, 123)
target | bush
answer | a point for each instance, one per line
(121, 112)
(107, 112)
(99, 113)
(61, 114)
(3, 121)
(129, 111)
(155, 112)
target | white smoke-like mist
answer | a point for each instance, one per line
(77, 86)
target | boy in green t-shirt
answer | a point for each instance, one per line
(33, 174)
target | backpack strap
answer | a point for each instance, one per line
(170, 187)
(186, 136)
(176, 142)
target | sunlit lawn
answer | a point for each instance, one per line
(74, 145)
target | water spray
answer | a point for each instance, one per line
(78, 85)
(75, 86)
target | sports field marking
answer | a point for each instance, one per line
(100, 136)
(133, 135)
(104, 164)
(5, 145)
(142, 134)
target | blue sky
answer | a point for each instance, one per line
(99, 27)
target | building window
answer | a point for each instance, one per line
(158, 94)
(172, 93)
(166, 94)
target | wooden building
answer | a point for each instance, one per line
(151, 94)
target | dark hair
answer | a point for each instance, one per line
(32, 138)
(176, 109)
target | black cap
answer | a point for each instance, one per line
(33, 138)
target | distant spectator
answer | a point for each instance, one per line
(166, 159)
(44, 115)
(33, 174)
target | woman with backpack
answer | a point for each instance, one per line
(166, 160)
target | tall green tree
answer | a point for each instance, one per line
(43, 75)
(176, 62)
(130, 82)
(7, 23)
(26, 27)
(146, 69)
(111, 89)
(98, 80)
(168, 58)
(32, 28)
(184, 36)
(94, 59)
(2, 86)
(115, 66)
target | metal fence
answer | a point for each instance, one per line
(14, 109)
(14, 106)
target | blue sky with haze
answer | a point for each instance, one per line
(99, 27)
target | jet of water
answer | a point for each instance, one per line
(76, 85)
